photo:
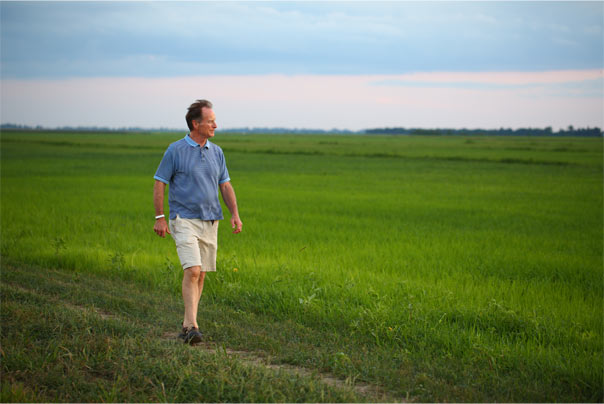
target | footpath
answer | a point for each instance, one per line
(76, 337)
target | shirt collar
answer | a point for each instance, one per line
(193, 143)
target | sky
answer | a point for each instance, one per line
(301, 64)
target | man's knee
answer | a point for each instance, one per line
(193, 272)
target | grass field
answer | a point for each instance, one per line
(430, 268)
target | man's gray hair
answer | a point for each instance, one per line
(195, 111)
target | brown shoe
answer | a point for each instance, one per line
(193, 336)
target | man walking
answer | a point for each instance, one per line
(195, 169)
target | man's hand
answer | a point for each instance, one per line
(161, 227)
(236, 224)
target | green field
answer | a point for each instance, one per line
(430, 268)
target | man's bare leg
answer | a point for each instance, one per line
(191, 293)
(202, 277)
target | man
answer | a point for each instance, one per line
(195, 169)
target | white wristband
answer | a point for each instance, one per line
(159, 217)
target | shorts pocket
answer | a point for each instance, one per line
(173, 225)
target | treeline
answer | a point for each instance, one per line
(570, 131)
(12, 126)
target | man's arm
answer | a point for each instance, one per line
(161, 225)
(228, 196)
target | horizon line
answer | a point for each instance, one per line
(277, 129)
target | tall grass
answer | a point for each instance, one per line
(473, 264)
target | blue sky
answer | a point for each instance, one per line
(381, 44)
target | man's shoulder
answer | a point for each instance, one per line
(178, 145)
(215, 148)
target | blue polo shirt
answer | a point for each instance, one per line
(193, 173)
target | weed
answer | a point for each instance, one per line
(117, 261)
(59, 245)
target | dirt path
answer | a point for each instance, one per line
(56, 284)
(256, 359)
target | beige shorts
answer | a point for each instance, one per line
(196, 242)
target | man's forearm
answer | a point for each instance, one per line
(229, 198)
(161, 225)
(159, 190)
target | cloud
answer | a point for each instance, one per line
(165, 39)
(492, 80)
(521, 99)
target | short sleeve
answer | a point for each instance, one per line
(224, 173)
(166, 167)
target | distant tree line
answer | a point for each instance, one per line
(570, 131)
(13, 126)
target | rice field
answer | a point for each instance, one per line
(438, 268)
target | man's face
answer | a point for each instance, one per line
(208, 123)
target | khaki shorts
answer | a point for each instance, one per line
(196, 242)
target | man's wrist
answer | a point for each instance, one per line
(159, 216)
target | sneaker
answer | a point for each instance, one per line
(193, 336)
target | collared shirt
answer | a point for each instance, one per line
(193, 173)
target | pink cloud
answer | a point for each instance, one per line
(502, 78)
(312, 101)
